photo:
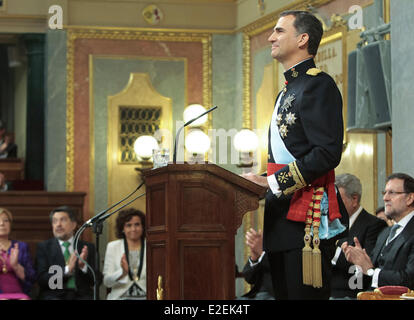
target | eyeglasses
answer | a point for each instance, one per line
(392, 193)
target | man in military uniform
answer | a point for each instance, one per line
(304, 214)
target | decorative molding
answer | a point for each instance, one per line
(75, 33)
(70, 120)
(269, 20)
(247, 122)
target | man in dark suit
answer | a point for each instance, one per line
(392, 259)
(362, 225)
(61, 275)
(256, 271)
(305, 145)
(8, 149)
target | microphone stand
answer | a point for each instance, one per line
(97, 228)
(96, 223)
(186, 124)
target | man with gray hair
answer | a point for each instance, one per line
(362, 225)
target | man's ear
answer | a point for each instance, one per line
(410, 199)
(303, 40)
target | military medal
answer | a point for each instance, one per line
(290, 118)
(288, 102)
(278, 119)
(283, 130)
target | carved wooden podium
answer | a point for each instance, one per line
(193, 213)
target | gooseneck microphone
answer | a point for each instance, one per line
(186, 124)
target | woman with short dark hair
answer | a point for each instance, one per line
(125, 264)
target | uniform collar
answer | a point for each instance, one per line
(298, 70)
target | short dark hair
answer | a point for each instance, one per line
(408, 181)
(305, 22)
(126, 215)
(69, 210)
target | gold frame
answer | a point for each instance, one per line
(74, 33)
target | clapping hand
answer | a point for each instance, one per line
(357, 255)
(124, 265)
(14, 256)
(254, 240)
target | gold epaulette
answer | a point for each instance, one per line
(313, 71)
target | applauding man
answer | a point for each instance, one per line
(392, 259)
(69, 277)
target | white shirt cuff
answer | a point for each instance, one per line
(375, 277)
(335, 258)
(84, 270)
(273, 185)
(252, 264)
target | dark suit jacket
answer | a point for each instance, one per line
(11, 150)
(49, 253)
(259, 276)
(366, 228)
(398, 269)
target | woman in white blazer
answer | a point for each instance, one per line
(125, 264)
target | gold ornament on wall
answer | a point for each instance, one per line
(152, 14)
(261, 4)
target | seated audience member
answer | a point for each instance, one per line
(257, 269)
(391, 262)
(362, 225)
(77, 282)
(125, 259)
(4, 186)
(380, 213)
(7, 148)
(17, 274)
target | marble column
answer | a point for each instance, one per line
(402, 69)
(35, 44)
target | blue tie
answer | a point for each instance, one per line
(394, 229)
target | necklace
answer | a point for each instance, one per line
(4, 268)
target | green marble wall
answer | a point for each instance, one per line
(55, 111)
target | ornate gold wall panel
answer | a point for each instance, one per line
(75, 33)
(139, 94)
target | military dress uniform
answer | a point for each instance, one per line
(305, 145)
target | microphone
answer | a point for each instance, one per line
(118, 209)
(100, 214)
(186, 124)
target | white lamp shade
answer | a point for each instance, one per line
(192, 111)
(246, 141)
(197, 142)
(144, 145)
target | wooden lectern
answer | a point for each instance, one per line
(193, 213)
